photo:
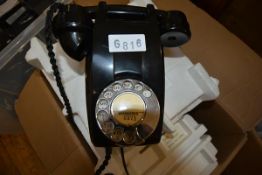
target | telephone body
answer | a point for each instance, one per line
(123, 46)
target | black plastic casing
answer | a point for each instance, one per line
(103, 67)
(83, 32)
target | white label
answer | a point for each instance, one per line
(127, 43)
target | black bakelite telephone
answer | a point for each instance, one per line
(124, 66)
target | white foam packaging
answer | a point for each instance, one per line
(172, 151)
(200, 161)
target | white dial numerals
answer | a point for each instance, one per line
(108, 127)
(127, 85)
(102, 116)
(147, 93)
(102, 104)
(117, 87)
(108, 94)
(138, 87)
(117, 134)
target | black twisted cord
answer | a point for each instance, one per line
(50, 13)
(106, 160)
(53, 9)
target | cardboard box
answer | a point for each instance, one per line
(237, 110)
(49, 133)
(252, 150)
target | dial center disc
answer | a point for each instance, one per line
(128, 109)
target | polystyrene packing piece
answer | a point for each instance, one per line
(141, 3)
(187, 85)
(68, 67)
(201, 161)
(173, 148)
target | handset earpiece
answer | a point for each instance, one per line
(174, 28)
(73, 28)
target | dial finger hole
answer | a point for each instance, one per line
(102, 104)
(127, 85)
(117, 134)
(129, 136)
(108, 127)
(103, 116)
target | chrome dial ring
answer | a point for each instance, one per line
(127, 112)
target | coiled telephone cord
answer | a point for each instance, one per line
(50, 14)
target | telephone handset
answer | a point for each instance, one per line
(125, 66)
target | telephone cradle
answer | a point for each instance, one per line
(123, 47)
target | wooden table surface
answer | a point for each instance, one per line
(17, 157)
